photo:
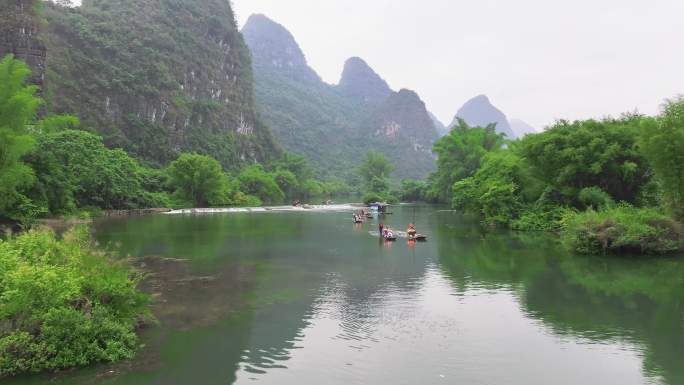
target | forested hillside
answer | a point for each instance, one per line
(176, 76)
(158, 111)
(335, 125)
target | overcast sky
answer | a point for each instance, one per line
(537, 60)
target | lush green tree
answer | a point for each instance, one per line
(295, 178)
(499, 189)
(17, 111)
(256, 181)
(199, 179)
(412, 190)
(296, 164)
(571, 156)
(64, 303)
(18, 126)
(74, 169)
(312, 188)
(287, 181)
(662, 143)
(375, 171)
(459, 156)
(335, 187)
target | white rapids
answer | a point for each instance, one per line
(305, 208)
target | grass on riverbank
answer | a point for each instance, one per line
(622, 229)
(64, 303)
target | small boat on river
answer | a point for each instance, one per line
(402, 234)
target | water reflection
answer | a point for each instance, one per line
(309, 298)
(593, 299)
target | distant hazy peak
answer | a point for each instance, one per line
(360, 81)
(439, 126)
(482, 98)
(272, 45)
(409, 95)
(521, 128)
(479, 111)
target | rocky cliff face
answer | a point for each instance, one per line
(404, 130)
(361, 83)
(156, 77)
(439, 126)
(335, 125)
(19, 36)
(479, 111)
(273, 47)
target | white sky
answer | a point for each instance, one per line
(537, 60)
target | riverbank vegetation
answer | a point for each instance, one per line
(610, 185)
(50, 167)
(375, 171)
(63, 303)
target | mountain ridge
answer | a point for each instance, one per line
(334, 125)
(479, 111)
(361, 82)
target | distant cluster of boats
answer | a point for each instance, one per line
(385, 232)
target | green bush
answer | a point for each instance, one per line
(199, 179)
(246, 200)
(460, 154)
(569, 156)
(622, 229)
(64, 304)
(539, 218)
(661, 141)
(372, 197)
(594, 197)
(412, 190)
(254, 180)
(75, 169)
(498, 191)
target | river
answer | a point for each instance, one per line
(306, 297)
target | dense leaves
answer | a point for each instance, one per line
(198, 179)
(375, 171)
(623, 229)
(662, 143)
(412, 190)
(256, 181)
(17, 110)
(460, 154)
(498, 190)
(64, 304)
(75, 169)
(571, 156)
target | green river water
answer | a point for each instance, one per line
(306, 297)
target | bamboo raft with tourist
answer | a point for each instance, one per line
(386, 232)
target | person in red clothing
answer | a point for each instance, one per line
(381, 226)
(411, 231)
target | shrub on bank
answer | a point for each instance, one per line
(541, 219)
(65, 304)
(622, 229)
(372, 197)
